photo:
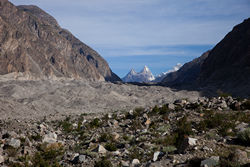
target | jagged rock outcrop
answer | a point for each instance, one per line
(226, 67)
(32, 42)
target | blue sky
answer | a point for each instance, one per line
(157, 33)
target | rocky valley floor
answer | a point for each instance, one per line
(55, 99)
(76, 123)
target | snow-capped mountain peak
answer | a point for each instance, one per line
(159, 78)
(145, 70)
(144, 76)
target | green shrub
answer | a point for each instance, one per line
(164, 109)
(105, 137)
(103, 163)
(136, 124)
(95, 123)
(36, 137)
(111, 147)
(244, 136)
(223, 94)
(138, 112)
(48, 156)
(66, 125)
(246, 105)
(155, 110)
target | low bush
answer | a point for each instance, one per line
(244, 136)
(103, 163)
(110, 146)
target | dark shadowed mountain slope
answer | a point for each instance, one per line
(32, 42)
(228, 64)
(226, 68)
(187, 74)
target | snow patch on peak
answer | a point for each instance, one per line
(161, 76)
(144, 76)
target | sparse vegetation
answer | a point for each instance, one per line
(104, 162)
(244, 136)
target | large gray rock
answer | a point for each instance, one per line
(210, 162)
(240, 157)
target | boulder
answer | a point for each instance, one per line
(210, 162)
(51, 137)
(240, 157)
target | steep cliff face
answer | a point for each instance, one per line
(32, 42)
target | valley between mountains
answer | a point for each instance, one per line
(61, 105)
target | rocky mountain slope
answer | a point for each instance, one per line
(226, 67)
(228, 64)
(144, 76)
(187, 74)
(32, 42)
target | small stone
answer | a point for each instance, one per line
(135, 162)
(148, 122)
(100, 149)
(241, 127)
(171, 106)
(156, 155)
(79, 159)
(1, 159)
(50, 138)
(116, 153)
(210, 162)
(115, 136)
(205, 148)
(125, 163)
(14, 143)
(192, 141)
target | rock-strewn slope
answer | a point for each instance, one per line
(32, 42)
(23, 99)
(206, 132)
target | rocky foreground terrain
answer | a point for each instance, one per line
(205, 132)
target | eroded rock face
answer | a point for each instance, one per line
(32, 42)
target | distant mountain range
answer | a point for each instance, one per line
(33, 43)
(146, 75)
